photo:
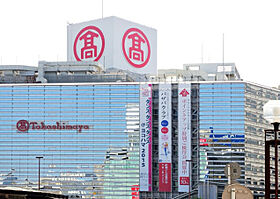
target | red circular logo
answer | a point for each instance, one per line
(89, 44)
(22, 125)
(164, 130)
(136, 47)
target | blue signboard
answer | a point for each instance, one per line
(218, 137)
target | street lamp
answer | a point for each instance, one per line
(39, 158)
(271, 111)
(190, 162)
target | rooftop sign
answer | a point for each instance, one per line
(115, 43)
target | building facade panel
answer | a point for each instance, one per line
(88, 136)
(256, 97)
(221, 127)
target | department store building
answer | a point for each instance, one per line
(109, 125)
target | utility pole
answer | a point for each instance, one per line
(39, 164)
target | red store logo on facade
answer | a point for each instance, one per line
(136, 47)
(89, 44)
(24, 125)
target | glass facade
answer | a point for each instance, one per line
(231, 127)
(256, 96)
(87, 134)
(221, 128)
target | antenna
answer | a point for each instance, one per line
(223, 56)
(202, 53)
(102, 9)
(223, 49)
(104, 64)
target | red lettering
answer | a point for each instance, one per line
(69, 127)
(43, 125)
(33, 124)
(58, 125)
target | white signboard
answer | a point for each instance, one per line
(145, 137)
(115, 43)
(165, 126)
(184, 136)
(164, 136)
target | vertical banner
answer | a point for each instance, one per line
(145, 137)
(164, 136)
(184, 137)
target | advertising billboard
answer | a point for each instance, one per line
(184, 137)
(114, 43)
(145, 137)
(164, 136)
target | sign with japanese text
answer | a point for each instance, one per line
(164, 177)
(89, 44)
(164, 136)
(184, 136)
(114, 43)
(146, 137)
(135, 192)
(136, 47)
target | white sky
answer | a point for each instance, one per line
(32, 30)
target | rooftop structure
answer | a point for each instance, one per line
(66, 72)
(202, 72)
(88, 71)
(17, 74)
(114, 42)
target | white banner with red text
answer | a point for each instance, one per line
(184, 137)
(164, 136)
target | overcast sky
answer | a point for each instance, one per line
(189, 31)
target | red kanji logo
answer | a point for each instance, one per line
(184, 93)
(89, 44)
(22, 125)
(136, 47)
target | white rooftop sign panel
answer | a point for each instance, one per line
(114, 42)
